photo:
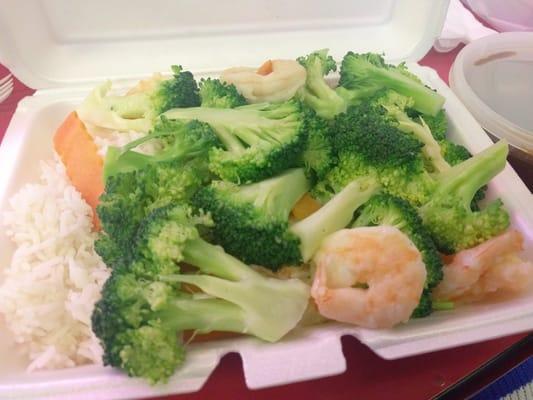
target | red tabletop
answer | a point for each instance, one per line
(368, 376)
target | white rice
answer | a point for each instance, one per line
(49, 290)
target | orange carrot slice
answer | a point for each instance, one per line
(305, 207)
(83, 164)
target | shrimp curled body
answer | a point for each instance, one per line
(286, 77)
(371, 276)
(493, 266)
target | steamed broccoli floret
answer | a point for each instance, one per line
(181, 142)
(365, 129)
(144, 308)
(369, 146)
(453, 153)
(137, 183)
(252, 221)
(363, 75)
(120, 209)
(318, 155)
(260, 140)
(396, 106)
(108, 250)
(448, 215)
(217, 94)
(137, 111)
(384, 209)
(130, 196)
(316, 93)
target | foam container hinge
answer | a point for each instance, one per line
(307, 353)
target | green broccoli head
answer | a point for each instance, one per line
(108, 250)
(370, 146)
(318, 156)
(448, 214)
(319, 59)
(316, 92)
(396, 107)
(120, 209)
(438, 123)
(366, 129)
(163, 236)
(217, 94)
(363, 75)
(151, 351)
(138, 111)
(132, 335)
(408, 181)
(252, 221)
(129, 197)
(260, 140)
(455, 154)
(180, 90)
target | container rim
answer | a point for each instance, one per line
(491, 120)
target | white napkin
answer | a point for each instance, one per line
(460, 27)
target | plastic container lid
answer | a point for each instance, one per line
(493, 76)
(52, 43)
(508, 15)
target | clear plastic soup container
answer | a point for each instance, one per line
(493, 76)
(64, 48)
(508, 15)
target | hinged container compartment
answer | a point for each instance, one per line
(64, 48)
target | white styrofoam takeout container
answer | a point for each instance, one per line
(64, 48)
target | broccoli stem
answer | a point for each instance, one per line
(465, 179)
(334, 215)
(212, 259)
(129, 161)
(270, 307)
(425, 100)
(229, 140)
(421, 131)
(278, 195)
(354, 96)
(319, 95)
(229, 124)
(203, 315)
(129, 106)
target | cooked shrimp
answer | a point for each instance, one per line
(278, 82)
(145, 85)
(371, 277)
(487, 268)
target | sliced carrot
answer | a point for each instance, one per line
(266, 68)
(84, 166)
(305, 207)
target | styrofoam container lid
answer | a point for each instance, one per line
(493, 76)
(52, 43)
